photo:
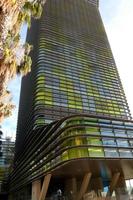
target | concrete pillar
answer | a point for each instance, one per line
(113, 183)
(36, 189)
(84, 186)
(121, 188)
(45, 186)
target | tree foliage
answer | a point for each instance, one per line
(14, 56)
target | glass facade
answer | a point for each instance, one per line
(72, 104)
(94, 2)
(73, 138)
(75, 71)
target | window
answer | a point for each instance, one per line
(111, 153)
(96, 152)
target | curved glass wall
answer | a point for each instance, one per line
(75, 137)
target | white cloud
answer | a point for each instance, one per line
(120, 33)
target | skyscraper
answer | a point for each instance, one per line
(73, 110)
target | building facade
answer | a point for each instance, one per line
(72, 104)
(6, 162)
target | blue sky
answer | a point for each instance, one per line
(9, 124)
(117, 16)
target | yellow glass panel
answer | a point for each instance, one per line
(78, 141)
(71, 102)
(72, 106)
(82, 152)
(94, 141)
(96, 152)
(78, 107)
(72, 153)
(91, 130)
(49, 102)
(65, 156)
(71, 97)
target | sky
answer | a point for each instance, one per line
(9, 124)
(117, 16)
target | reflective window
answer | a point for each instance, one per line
(109, 142)
(125, 153)
(94, 141)
(120, 133)
(122, 143)
(96, 152)
(107, 132)
(111, 152)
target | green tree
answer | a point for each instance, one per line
(25, 67)
(11, 62)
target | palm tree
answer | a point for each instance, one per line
(24, 16)
(6, 105)
(21, 11)
(42, 2)
(34, 8)
(37, 10)
(30, 9)
(27, 48)
(25, 67)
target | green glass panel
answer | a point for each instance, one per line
(38, 98)
(78, 107)
(40, 122)
(72, 153)
(41, 93)
(40, 82)
(88, 122)
(71, 97)
(63, 89)
(92, 130)
(56, 73)
(96, 152)
(94, 141)
(118, 113)
(62, 85)
(48, 102)
(77, 96)
(79, 141)
(81, 131)
(82, 152)
(72, 106)
(41, 78)
(99, 110)
(71, 102)
(70, 90)
(82, 79)
(90, 119)
(66, 133)
(48, 98)
(111, 112)
(90, 93)
(65, 156)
